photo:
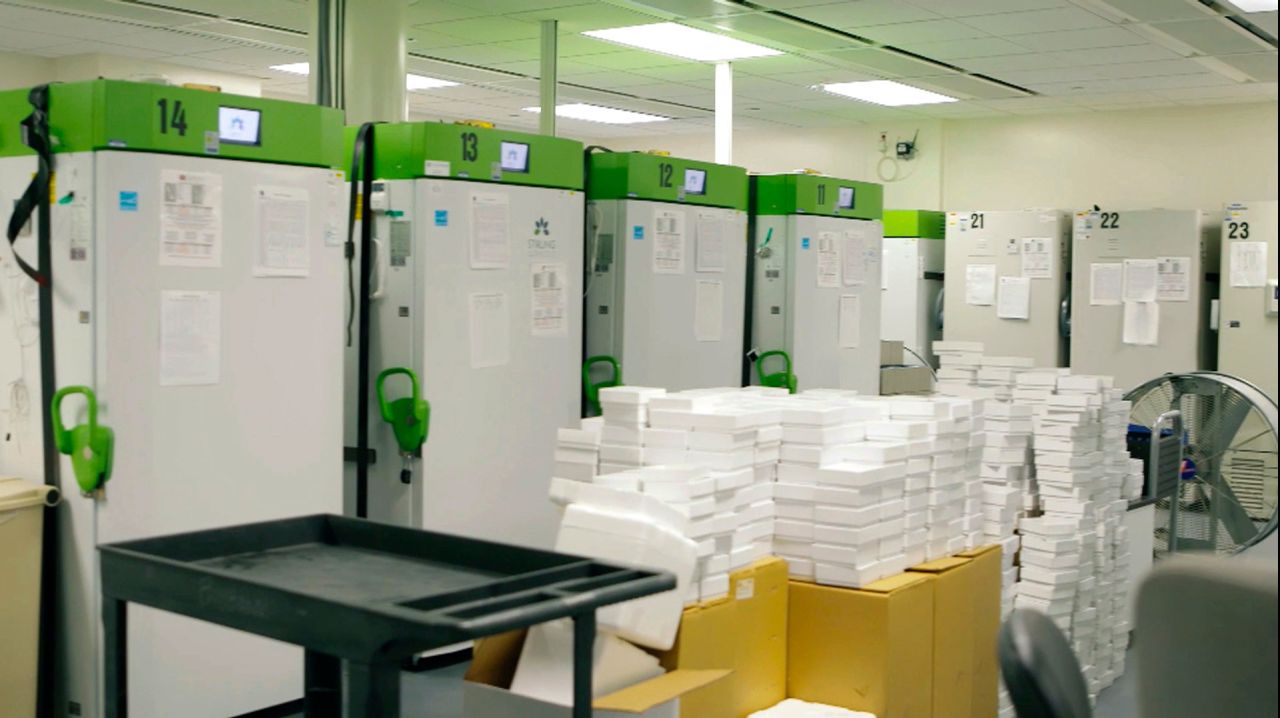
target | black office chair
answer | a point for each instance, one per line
(1040, 670)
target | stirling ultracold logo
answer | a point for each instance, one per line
(541, 242)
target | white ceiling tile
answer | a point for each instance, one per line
(176, 41)
(953, 50)
(255, 57)
(611, 78)
(1018, 23)
(16, 40)
(1113, 36)
(918, 32)
(864, 13)
(1261, 66)
(1148, 52)
(86, 47)
(778, 65)
(587, 16)
(1251, 92)
(1265, 21)
(964, 86)
(488, 29)
(1212, 37)
(1207, 79)
(822, 77)
(888, 64)
(967, 8)
(429, 12)
(770, 90)
(1156, 10)
(778, 33)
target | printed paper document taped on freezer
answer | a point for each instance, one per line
(490, 231)
(283, 214)
(1015, 298)
(1106, 281)
(1140, 278)
(190, 218)
(980, 284)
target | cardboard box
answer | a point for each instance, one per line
(746, 632)
(864, 649)
(952, 579)
(485, 692)
(891, 352)
(987, 564)
(905, 380)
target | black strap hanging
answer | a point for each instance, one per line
(35, 200)
(362, 173)
(35, 134)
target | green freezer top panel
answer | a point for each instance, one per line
(922, 223)
(641, 175)
(409, 150)
(816, 194)
(144, 117)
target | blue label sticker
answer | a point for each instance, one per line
(442, 218)
(637, 232)
(128, 201)
(804, 243)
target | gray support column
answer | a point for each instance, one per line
(547, 82)
(324, 82)
(373, 62)
(724, 113)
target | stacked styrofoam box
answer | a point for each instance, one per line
(818, 430)
(578, 451)
(948, 524)
(958, 364)
(860, 502)
(1001, 373)
(626, 412)
(725, 431)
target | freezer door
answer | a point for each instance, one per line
(501, 316)
(835, 267)
(1168, 243)
(684, 294)
(1248, 317)
(218, 363)
(984, 247)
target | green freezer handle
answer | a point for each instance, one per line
(780, 380)
(408, 416)
(90, 446)
(593, 388)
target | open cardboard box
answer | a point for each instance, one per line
(485, 693)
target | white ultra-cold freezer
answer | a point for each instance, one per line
(1007, 282)
(476, 287)
(1248, 310)
(667, 248)
(197, 292)
(1141, 293)
(816, 289)
(911, 287)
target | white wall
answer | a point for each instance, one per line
(850, 153)
(17, 71)
(1179, 158)
(1190, 157)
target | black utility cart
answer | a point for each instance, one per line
(366, 593)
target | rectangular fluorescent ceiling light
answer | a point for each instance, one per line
(412, 82)
(670, 38)
(596, 113)
(1256, 5)
(887, 93)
